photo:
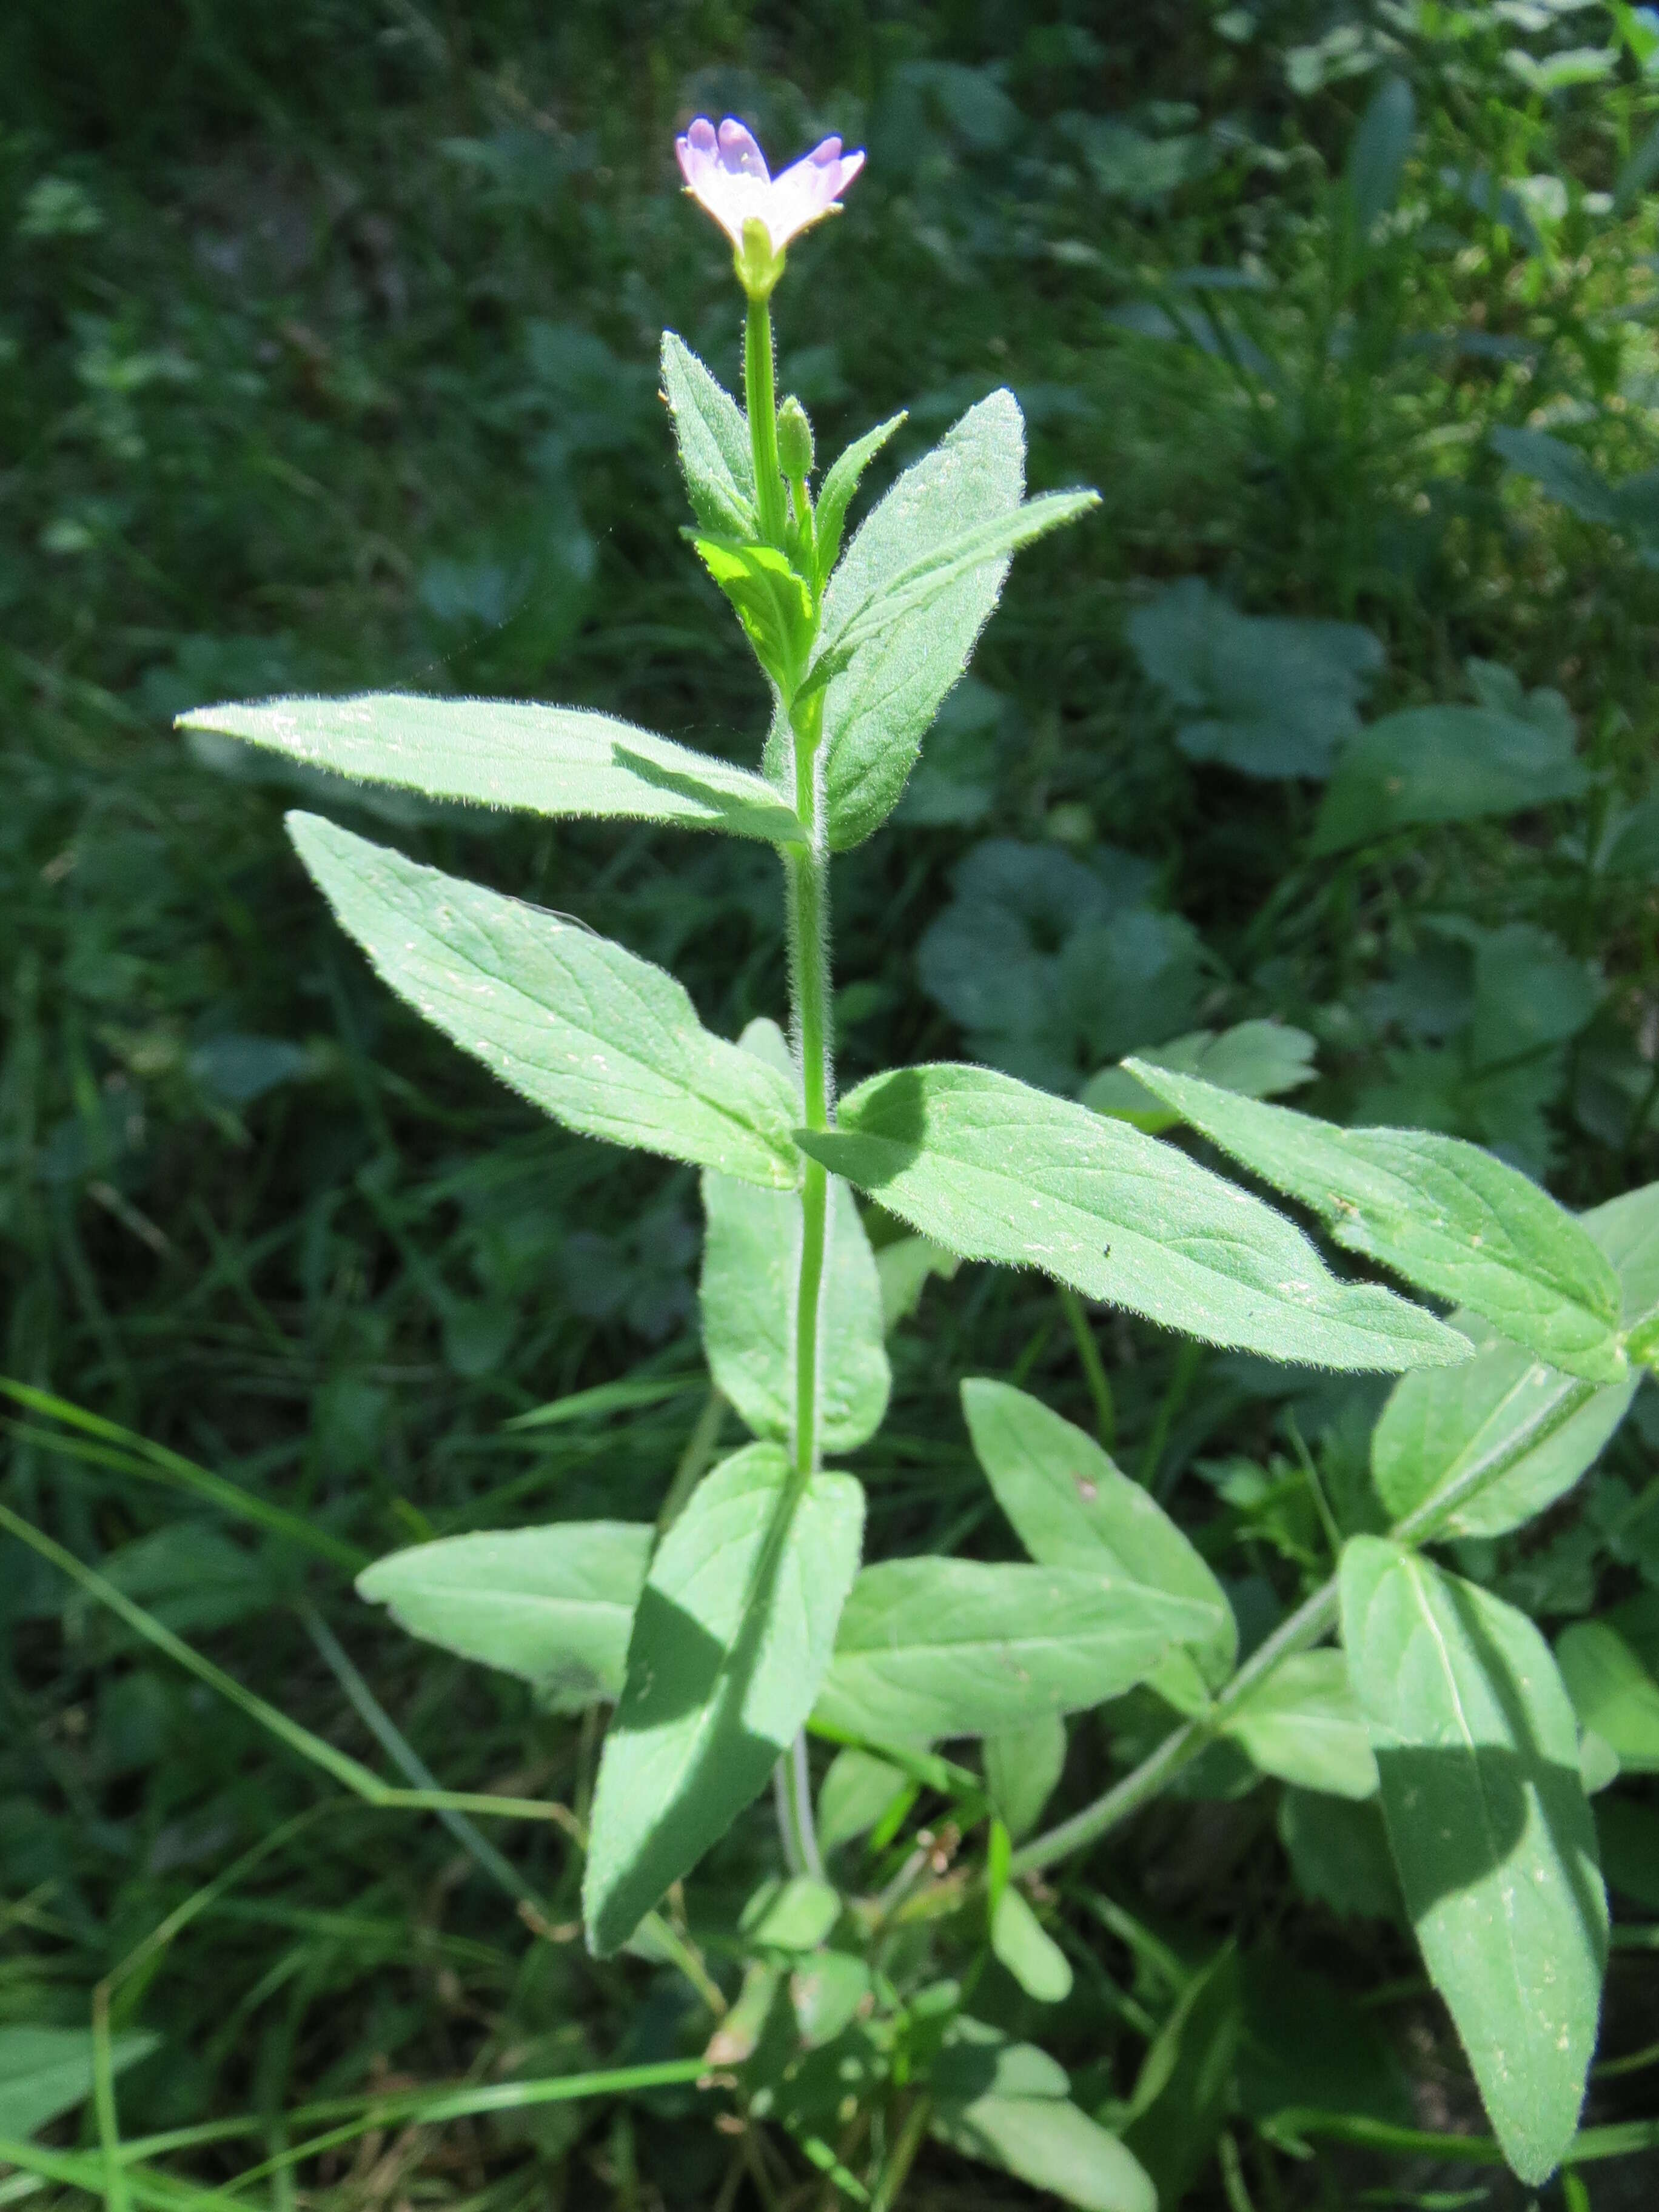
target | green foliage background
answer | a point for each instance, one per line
(328, 359)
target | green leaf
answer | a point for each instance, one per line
(877, 710)
(1435, 1428)
(1052, 964)
(1025, 1947)
(1449, 1216)
(899, 599)
(1071, 1506)
(1377, 154)
(904, 1270)
(1006, 2104)
(599, 1039)
(796, 1915)
(1442, 764)
(1050, 2145)
(712, 438)
(1338, 1849)
(502, 753)
(997, 1170)
(1185, 2090)
(1477, 1750)
(45, 2071)
(837, 492)
(1265, 695)
(1564, 474)
(929, 1648)
(730, 1643)
(1303, 1724)
(1633, 848)
(1529, 994)
(1561, 471)
(1258, 1059)
(1022, 1770)
(773, 605)
(750, 1261)
(554, 1605)
(856, 1790)
(1312, 2044)
(1612, 1693)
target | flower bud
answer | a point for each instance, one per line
(794, 440)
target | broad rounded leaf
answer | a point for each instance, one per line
(997, 1170)
(596, 1036)
(1301, 1723)
(1442, 764)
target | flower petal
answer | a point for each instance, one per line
(725, 173)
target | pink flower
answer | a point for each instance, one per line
(725, 172)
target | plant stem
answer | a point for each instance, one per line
(1312, 1620)
(1094, 1370)
(807, 902)
(902, 2157)
(760, 396)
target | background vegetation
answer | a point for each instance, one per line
(327, 358)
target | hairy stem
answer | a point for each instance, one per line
(807, 904)
(1312, 1620)
(760, 396)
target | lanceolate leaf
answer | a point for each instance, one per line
(502, 752)
(1477, 1750)
(840, 482)
(554, 1605)
(1303, 1724)
(899, 599)
(1072, 1507)
(1435, 1429)
(45, 2071)
(750, 1261)
(730, 1644)
(996, 1170)
(599, 1039)
(877, 710)
(1446, 1215)
(712, 439)
(751, 1268)
(929, 1648)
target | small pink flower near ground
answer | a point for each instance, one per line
(725, 173)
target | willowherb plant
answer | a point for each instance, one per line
(743, 1621)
